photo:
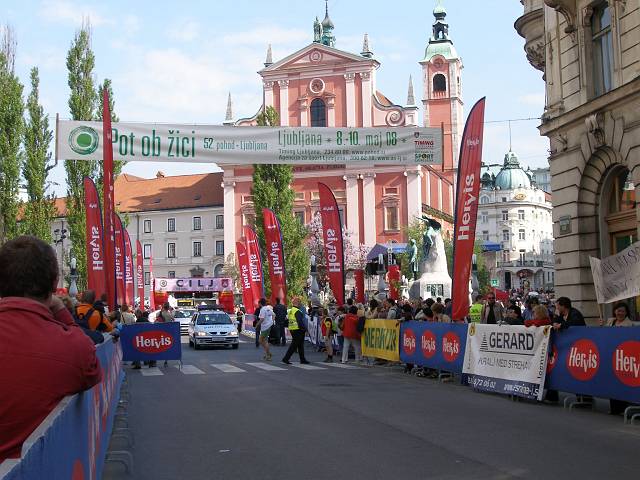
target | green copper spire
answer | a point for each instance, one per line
(328, 38)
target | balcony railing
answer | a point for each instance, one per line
(526, 263)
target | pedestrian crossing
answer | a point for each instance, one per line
(246, 367)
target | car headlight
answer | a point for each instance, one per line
(201, 334)
(232, 334)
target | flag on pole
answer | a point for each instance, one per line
(128, 269)
(467, 193)
(255, 264)
(275, 255)
(96, 279)
(245, 277)
(140, 272)
(119, 260)
(109, 202)
(333, 244)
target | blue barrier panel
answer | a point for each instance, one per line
(151, 341)
(433, 345)
(603, 362)
(72, 442)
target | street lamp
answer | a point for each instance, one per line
(73, 276)
(314, 289)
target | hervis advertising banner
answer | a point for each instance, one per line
(507, 359)
(433, 345)
(151, 341)
(617, 277)
(275, 255)
(96, 277)
(380, 339)
(603, 362)
(157, 142)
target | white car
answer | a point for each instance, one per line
(212, 327)
(184, 315)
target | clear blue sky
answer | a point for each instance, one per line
(176, 61)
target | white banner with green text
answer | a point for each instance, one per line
(158, 142)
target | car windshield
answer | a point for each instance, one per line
(214, 319)
(183, 314)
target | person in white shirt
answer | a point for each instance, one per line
(265, 322)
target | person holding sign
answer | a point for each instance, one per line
(621, 317)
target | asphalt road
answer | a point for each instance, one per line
(207, 422)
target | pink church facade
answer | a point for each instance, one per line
(320, 85)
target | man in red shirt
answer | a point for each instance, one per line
(44, 355)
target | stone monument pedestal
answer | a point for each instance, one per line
(434, 278)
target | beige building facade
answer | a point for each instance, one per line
(589, 53)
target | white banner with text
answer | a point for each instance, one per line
(617, 277)
(507, 359)
(156, 142)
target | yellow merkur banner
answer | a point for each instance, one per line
(380, 339)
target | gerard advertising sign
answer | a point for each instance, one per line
(156, 142)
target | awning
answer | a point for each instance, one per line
(491, 247)
(383, 248)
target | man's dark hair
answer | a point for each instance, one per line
(407, 308)
(353, 309)
(88, 296)
(516, 309)
(447, 300)
(28, 267)
(564, 302)
(373, 304)
(263, 301)
(277, 300)
(439, 300)
(427, 312)
(429, 302)
(349, 301)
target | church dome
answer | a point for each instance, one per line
(446, 49)
(327, 23)
(512, 176)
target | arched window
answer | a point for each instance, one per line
(439, 83)
(217, 271)
(318, 113)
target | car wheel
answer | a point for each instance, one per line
(235, 346)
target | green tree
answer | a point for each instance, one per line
(272, 189)
(11, 127)
(40, 210)
(82, 102)
(117, 164)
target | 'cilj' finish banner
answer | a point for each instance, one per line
(140, 272)
(96, 279)
(255, 265)
(245, 276)
(275, 255)
(467, 209)
(128, 269)
(109, 201)
(119, 260)
(332, 236)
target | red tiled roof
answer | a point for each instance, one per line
(136, 194)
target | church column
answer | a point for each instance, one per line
(414, 193)
(366, 99)
(304, 113)
(428, 177)
(353, 211)
(331, 112)
(284, 102)
(369, 205)
(229, 217)
(268, 94)
(351, 98)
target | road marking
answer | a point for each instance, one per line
(266, 366)
(305, 366)
(339, 365)
(151, 372)
(227, 368)
(190, 370)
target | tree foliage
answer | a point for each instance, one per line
(82, 103)
(272, 189)
(11, 128)
(40, 209)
